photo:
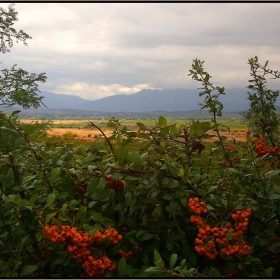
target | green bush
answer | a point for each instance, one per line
(154, 202)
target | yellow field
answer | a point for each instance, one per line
(82, 133)
(236, 132)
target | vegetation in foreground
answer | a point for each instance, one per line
(172, 207)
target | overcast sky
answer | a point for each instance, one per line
(94, 50)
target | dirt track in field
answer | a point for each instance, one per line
(88, 134)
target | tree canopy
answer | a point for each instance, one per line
(17, 86)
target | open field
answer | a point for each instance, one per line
(81, 133)
(75, 128)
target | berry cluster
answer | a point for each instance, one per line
(230, 148)
(55, 236)
(97, 267)
(79, 246)
(114, 236)
(196, 206)
(261, 147)
(127, 255)
(225, 238)
(114, 184)
(80, 187)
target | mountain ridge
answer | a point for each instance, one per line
(146, 100)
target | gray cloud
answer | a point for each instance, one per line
(95, 50)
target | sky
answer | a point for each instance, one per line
(94, 50)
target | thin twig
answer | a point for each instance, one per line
(111, 147)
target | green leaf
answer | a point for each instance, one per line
(212, 189)
(49, 216)
(157, 211)
(224, 203)
(121, 155)
(199, 128)
(117, 207)
(158, 261)
(62, 195)
(134, 158)
(141, 126)
(162, 121)
(121, 267)
(128, 198)
(78, 149)
(15, 113)
(157, 256)
(101, 185)
(82, 213)
(164, 131)
(174, 131)
(182, 263)
(197, 177)
(92, 203)
(92, 187)
(153, 270)
(22, 243)
(234, 171)
(8, 129)
(264, 241)
(97, 217)
(167, 196)
(169, 245)
(88, 227)
(145, 236)
(28, 270)
(54, 174)
(274, 196)
(268, 272)
(63, 217)
(173, 260)
(50, 199)
(229, 235)
(119, 140)
(16, 199)
(214, 272)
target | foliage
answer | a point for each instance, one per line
(17, 86)
(262, 117)
(175, 206)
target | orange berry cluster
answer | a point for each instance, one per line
(79, 246)
(127, 255)
(196, 206)
(114, 236)
(261, 147)
(208, 249)
(223, 163)
(97, 267)
(230, 147)
(56, 237)
(229, 243)
(114, 184)
(248, 132)
(240, 248)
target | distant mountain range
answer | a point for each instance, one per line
(146, 100)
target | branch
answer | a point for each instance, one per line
(111, 147)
